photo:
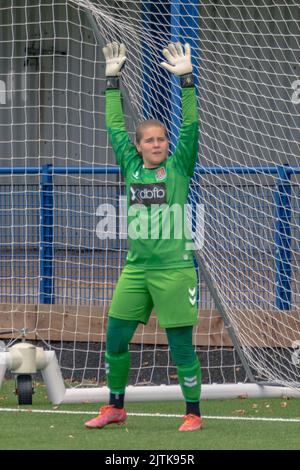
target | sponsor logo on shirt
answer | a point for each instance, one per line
(148, 194)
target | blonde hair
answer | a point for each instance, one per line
(148, 123)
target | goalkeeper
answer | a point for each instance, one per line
(159, 270)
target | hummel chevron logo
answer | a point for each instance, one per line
(190, 381)
(192, 296)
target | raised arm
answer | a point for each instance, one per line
(125, 151)
(179, 62)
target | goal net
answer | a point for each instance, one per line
(63, 230)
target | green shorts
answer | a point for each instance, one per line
(171, 292)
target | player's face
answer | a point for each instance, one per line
(153, 146)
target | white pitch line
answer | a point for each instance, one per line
(155, 415)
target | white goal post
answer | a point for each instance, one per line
(63, 237)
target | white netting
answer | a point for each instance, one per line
(246, 63)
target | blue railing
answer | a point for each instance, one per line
(283, 216)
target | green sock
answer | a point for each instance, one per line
(117, 371)
(190, 381)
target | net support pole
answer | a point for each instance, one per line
(219, 306)
(46, 237)
(283, 239)
(173, 21)
(184, 27)
(155, 20)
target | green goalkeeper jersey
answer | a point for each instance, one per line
(158, 235)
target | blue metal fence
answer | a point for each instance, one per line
(34, 240)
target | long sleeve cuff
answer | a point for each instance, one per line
(186, 80)
(112, 83)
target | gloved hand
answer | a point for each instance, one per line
(179, 60)
(115, 57)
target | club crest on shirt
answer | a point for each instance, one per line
(160, 174)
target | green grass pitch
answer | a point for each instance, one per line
(241, 423)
